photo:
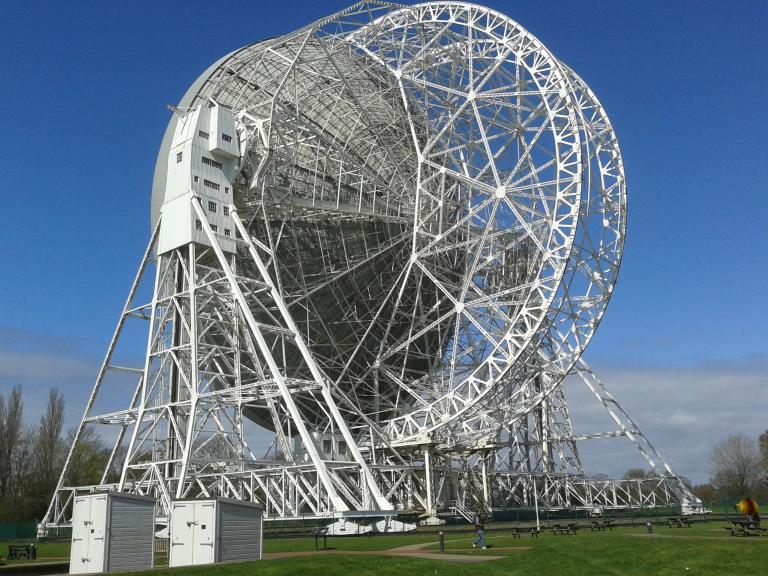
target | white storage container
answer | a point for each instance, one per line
(112, 532)
(210, 531)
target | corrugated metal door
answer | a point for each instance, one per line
(131, 534)
(239, 532)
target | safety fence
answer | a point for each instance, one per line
(18, 530)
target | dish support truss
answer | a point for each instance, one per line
(172, 433)
(531, 244)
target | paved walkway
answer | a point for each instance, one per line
(409, 551)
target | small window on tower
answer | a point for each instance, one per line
(226, 189)
(179, 156)
(203, 135)
(211, 206)
(342, 447)
(198, 225)
(327, 446)
(227, 232)
(226, 137)
(196, 178)
(211, 162)
(214, 228)
(226, 210)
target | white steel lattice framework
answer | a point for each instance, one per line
(384, 239)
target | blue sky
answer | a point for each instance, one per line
(84, 91)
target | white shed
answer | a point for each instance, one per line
(112, 532)
(217, 530)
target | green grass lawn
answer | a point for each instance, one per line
(705, 549)
(46, 551)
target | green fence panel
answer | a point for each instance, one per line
(18, 531)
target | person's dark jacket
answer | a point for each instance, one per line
(479, 522)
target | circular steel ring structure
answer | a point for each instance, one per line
(444, 206)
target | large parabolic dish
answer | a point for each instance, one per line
(446, 204)
(381, 242)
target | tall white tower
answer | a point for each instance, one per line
(204, 156)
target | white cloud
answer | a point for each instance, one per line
(39, 371)
(682, 410)
(40, 362)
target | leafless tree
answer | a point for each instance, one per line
(637, 474)
(735, 466)
(4, 465)
(11, 430)
(49, 448)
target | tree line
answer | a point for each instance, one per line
(32, 457)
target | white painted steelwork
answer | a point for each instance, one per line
(385, 239)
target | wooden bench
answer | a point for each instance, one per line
(564, 529)
(28, 551)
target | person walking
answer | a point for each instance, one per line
(480, 529)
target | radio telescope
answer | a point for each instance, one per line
(384, 240)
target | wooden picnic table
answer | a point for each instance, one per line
(745, 528)
(601, 525)
(564, 528)
(679, 521)
(532, 530)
